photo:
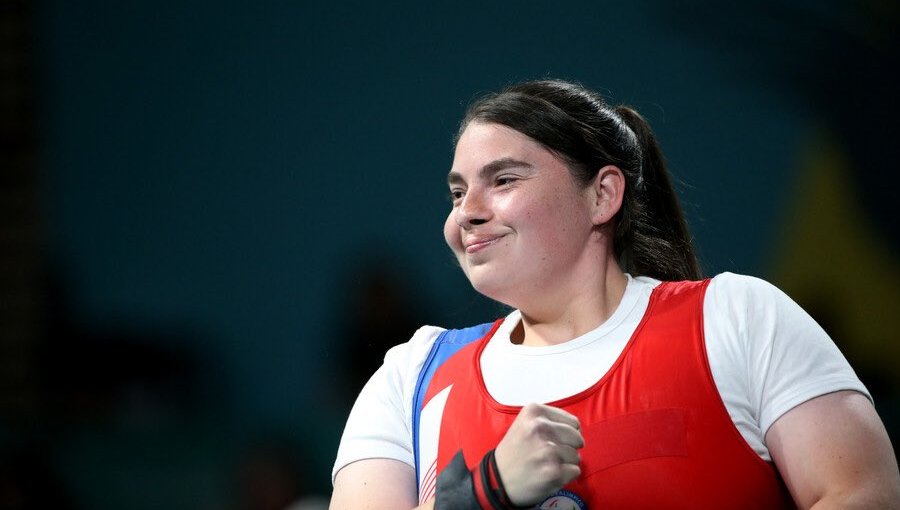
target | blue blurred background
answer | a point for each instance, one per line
(217, 216)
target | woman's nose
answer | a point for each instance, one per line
(473, 210)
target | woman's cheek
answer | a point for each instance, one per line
(452, 235)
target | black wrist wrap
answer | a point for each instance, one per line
(455, 487)
(478, 489)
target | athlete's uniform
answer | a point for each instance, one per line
(648, 386)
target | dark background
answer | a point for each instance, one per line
(216, 216)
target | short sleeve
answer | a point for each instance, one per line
(772, 348)
(379, 425)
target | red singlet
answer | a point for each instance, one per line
(656, 432)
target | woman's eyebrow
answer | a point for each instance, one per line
(488, 170)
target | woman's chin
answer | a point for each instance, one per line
(500, 291)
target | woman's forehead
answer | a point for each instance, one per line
(490, 141)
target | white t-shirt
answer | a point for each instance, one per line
(766, 354)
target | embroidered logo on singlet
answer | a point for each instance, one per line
(563, 500)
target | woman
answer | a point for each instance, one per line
(622, 379)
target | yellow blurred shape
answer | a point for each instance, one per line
(831, 259)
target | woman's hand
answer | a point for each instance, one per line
(539, 453)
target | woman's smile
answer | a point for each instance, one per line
(476, 243)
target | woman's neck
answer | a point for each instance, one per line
(571, 317)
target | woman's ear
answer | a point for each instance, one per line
(607, 192)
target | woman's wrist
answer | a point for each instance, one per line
(480, 488)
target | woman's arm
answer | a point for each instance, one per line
(537, 456)
(373, 469)
(833, 452)
(376, 484)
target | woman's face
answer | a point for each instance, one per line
(520, 224)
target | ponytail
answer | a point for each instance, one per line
(652, 236)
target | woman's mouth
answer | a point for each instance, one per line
(477, 244)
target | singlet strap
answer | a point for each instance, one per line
(446, 345)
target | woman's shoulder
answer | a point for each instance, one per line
(742, 293)
(424, 336)
(751, 309)
(414, 351)
(731, 292)
(740, 283)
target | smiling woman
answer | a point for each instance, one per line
(510, 198)
(622, 378)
